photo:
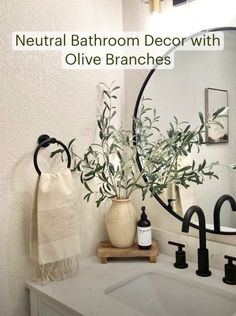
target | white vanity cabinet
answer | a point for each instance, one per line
(134, 288)
(85, 293)
(43, 306)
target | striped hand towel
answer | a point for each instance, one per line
(54, 233)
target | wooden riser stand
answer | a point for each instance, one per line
(106, 250)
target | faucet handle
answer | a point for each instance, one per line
(170, 203)
(180, 257)
(180, 246)
(230, 258)
(230, 271)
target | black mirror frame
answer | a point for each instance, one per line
(168, 207)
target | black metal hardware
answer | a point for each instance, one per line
(170, 203)
(203, 256)
(180, 246)
(217, 209)
(230, 271)
(180, 257)
(44, 141)
(177, 2)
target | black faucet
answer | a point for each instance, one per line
(217, 209)
(203, 256)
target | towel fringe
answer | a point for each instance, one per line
(56, 271)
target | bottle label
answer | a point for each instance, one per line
(144, 236)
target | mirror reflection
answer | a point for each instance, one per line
(202, 81)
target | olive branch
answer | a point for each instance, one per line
(113, 160)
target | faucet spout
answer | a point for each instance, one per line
(202, 224)
(203, 255)
(217, 209)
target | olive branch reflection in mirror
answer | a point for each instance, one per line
(167, 151)
(215, 99)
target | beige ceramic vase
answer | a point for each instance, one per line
(121, 223)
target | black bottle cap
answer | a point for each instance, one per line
(143, 215)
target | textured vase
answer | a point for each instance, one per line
(121, 223)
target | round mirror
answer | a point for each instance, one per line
(201, 81)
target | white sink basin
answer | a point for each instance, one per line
(160, 294)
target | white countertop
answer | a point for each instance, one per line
(85, 293)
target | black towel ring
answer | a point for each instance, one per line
(45, 141)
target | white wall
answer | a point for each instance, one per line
(183, 20)
(38, 96)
